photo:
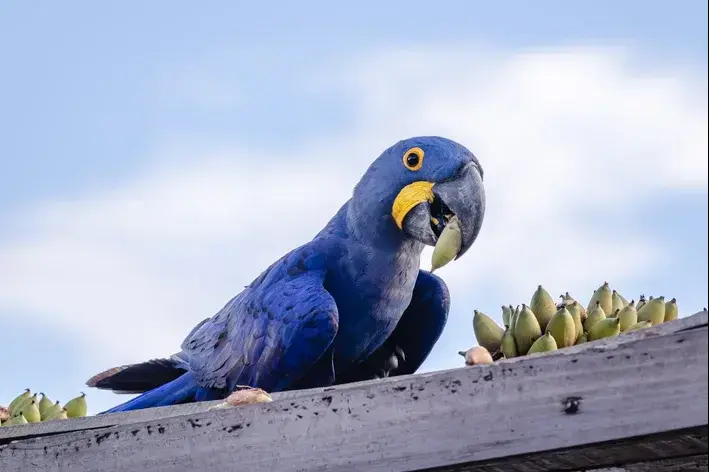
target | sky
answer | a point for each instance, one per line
(155, 157)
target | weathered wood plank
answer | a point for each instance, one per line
(644, 384)
(676, 445)
(698, 463)
(113, 419)
(149, 414)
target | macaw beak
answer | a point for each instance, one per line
(463, 196)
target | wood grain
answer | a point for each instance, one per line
(682, 447)
(643, 394)
(698, 463)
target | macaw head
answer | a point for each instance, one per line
(414, 188)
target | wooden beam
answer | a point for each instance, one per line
(681, 447)
(698, 463)
(93, 422)
(629, 399)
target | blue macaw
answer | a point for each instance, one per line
(349, 305)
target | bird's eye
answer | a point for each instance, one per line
(413, 158)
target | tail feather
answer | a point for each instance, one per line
(183, 389)
(138, 378)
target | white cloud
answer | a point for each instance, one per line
(560, 133)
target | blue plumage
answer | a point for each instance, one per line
(351, 304)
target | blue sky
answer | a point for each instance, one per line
(127, 132)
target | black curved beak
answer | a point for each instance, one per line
(462, 196)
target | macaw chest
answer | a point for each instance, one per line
(370, 304)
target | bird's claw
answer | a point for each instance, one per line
(391, 364)
(400, 353)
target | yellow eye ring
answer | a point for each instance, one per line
(413, 158)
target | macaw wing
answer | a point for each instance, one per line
(268, 336)
(412, 340)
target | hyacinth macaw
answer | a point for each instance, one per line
(349, 305)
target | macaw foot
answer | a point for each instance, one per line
(385, 362)
(390, 364)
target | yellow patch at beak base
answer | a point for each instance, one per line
(409, 197)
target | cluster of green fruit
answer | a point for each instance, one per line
(544, 325)
(27, 408)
